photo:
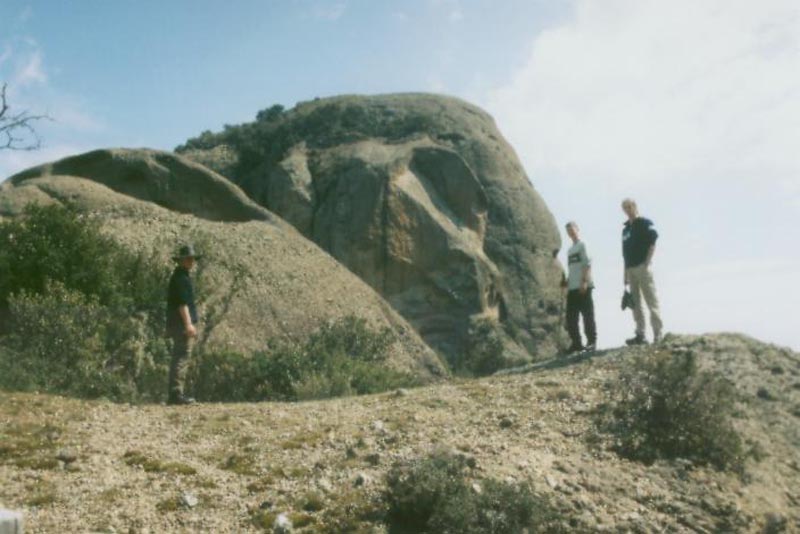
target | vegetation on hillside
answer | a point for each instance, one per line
(265, 141)
(84, 316)
(666, 407)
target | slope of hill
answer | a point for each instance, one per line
(80, 466)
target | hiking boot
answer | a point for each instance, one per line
(574, 348)
(638, 339)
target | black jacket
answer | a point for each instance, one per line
(637, 238)
(180, 292)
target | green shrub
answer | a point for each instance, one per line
(345, 357)
(666, 407)
(81, 314)
(61, 244)
(484, 348)
(66, 342)
(433, 495)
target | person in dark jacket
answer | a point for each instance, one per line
(638, 246)
(181, 321)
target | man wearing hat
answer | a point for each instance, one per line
(181, 318)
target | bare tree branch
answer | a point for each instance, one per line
(17, 131)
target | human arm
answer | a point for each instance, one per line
(188, 327)
(650, 252)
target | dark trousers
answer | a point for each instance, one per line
(181, 350)
(580, 304)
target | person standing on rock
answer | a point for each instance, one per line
(579, 292)
(181, 320)
(638, 246)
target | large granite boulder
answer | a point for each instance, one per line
(261, 279)
(422, 198)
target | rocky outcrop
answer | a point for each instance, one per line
(173, 182)
(423, 199)
(260, 279)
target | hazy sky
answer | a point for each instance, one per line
(692, 107)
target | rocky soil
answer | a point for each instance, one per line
(77, 466)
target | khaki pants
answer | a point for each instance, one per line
(181, 351)
(642, 285)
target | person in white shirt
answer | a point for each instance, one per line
(579, 292)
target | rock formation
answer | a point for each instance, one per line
(422, 198)
(260, 280)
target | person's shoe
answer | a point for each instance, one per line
(574, 348)
(181, 400)
(591, 347)
(638, 339)
(657, 338)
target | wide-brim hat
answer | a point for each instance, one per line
(186, 251)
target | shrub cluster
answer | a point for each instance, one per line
(345, 357)
(82, 315)
(483, 354)
(433, 494)
(666, 407)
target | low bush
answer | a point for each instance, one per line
(666, 407)
(63, 341)
(434, 494)
(345, 357)
(484, 348)
(81, 314)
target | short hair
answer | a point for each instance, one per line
(572, 224)
(629, 202)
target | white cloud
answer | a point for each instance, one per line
(646, 90)
(5, 55)
(331, 12)
(451, 8)
(31, 72)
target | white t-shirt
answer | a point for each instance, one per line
(578, 260)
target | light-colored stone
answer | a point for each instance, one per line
(11, 522)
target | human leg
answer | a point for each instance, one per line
(587, 311)
(573, 310)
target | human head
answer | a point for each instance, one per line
(630, 208)
(186, 257)
(573, 231)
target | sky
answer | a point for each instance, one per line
(691, 107)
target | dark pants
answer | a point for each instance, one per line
(580, 304)
(181, 350)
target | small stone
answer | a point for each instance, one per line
(66, 455)
(551, 481)
(378, 426)
(189, 500)
(282, 524)
(477, 488)
(401, 392)
(505, 422)
(362, 480)
(373, 459)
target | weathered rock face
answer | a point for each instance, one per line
(422, 198)
(260, 278)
